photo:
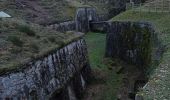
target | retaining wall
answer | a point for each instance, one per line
(64, 71)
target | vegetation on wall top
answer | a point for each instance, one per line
(21, 42)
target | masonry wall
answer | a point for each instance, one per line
(130, 41)
(84, 17)
(64, 26)
(61, 75)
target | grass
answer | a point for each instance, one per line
(158, 87)
(160, 20)
(27, 42)
(96, 46)
(45, 11)
(112, 81)
(27, 30)
(15, 40)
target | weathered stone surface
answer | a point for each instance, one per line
(87, 15)
(64, 26)
(130, 41)
(84, 16)
(135, 42)
(43, 78)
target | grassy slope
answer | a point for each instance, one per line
(112, 81)
(40, 11)
(158, 87)
(47, 11)
(26, 42)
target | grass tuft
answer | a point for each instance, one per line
(34, 47)
(52, 39)
(15, 40)
(27, 30)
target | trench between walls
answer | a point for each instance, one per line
(141, 61)
(138, 58)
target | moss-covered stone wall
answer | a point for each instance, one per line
(130, 41)
(64, 71)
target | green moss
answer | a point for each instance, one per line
(144, 46)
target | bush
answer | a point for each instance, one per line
(38, 37)
(27, 30)
(34, 47)
(16, 50)
(15, 40)
(52, 39)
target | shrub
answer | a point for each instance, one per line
(38, 36)
(45, 40)
(34, 47)
(26, 29)
(16, 50)
(15, 40)
(52, 39)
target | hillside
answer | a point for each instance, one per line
(158, 86)
(51, 11)
(38, 11)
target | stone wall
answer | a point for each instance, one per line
(130, 41)
(62, 75)
(64, 26)
(134, 42)
(84, 16)
(83, 19)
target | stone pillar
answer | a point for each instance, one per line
(84, 16)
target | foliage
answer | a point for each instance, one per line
(52, 39)
(15, 40)
(26, 29)
(34, 47)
